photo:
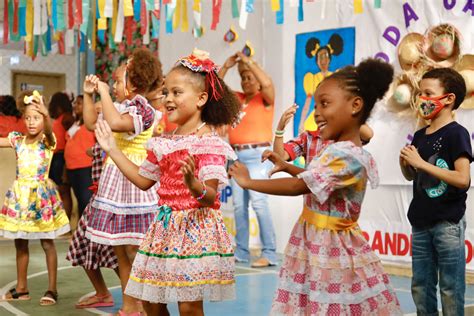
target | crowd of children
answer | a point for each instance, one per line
(149, 201)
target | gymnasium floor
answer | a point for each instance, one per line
(255, 288)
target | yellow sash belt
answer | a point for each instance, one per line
(326, 222)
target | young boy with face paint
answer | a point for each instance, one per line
(438, 162)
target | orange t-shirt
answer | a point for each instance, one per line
(76, 147)
(256, 124)
(11, 124)
(60, 133)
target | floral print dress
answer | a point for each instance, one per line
(32, 207)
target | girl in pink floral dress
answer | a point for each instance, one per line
(187, 255)
(329, 268)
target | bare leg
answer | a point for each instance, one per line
(125, 265)
(22, 260)
(51, 264)
(65, 193)
(152, 309)
(191, 308)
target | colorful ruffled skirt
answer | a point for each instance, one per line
(33, 210)
(186, 256)
(328, 272)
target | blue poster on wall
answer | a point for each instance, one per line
(318, 54)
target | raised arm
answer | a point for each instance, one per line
(278, 144)
(89, 112)
(117, 122)
(266, 83)
(229, 63)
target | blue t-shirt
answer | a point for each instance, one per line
(433, 199)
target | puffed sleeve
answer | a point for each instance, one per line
(142, 113)
(150, 167)
(336, 169)
(14, 138)
(211, 158)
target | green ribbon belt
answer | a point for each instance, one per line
(164, 214)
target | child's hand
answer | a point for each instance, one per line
(242, 57)
(286, 116)
(240, 173)
(90, 84)
(278, 163)
(411, 156)
(102, 87)
(38, 105)
(104, 135)
(187, 169)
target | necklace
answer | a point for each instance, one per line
(197, 129)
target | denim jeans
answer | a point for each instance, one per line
(439, 251)
(258, 170)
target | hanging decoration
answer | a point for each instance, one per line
(248, 49)
(57, 26)
(231, 36)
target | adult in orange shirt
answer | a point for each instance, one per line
(60, 109)
(78, 162)
(250, 139)
(10, 117)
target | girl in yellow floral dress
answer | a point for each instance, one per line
(32, 207)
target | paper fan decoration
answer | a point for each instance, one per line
(248, 49)
(231, 36)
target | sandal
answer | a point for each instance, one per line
(15, 296)
(49, 298)
(122, 313)
(96, 301)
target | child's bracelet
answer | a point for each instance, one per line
(203, 193)
(279, 133)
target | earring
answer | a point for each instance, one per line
(353, 112)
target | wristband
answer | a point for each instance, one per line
(279, 133)
(203, 193)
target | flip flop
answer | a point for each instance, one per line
(15, 296)
(49, 298)
(95, 301)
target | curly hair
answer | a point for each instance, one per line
(216, 112)
(451, 81)
(8, 106)
(369, 80)
(144, 70)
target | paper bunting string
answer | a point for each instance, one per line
(169, 12)
(119, 26)
(249, 6)
(155, 32)
(108, 9)
(275, 5)
(235, 9)
(243, 15)
(144, 23)
(36, 17)
(137, 10)
(78, 18)
(197, 27)
(216, 12)
(280, 15)
(15, 17)
(5, 22)
(29, 25)
(301, 11)
(358, 9)
(323, 10)
(22, 18)
(127, 8)
(377, 4)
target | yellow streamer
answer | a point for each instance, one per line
(127, 8)
(184, 22)
(358, 7)
(29, 25)
(275, 5)
(49, 7)
(114, 17)
(94, 27)
(101, 9)
(177, 15)
(197, 6)
(102, 24)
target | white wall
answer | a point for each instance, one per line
(53, 64)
